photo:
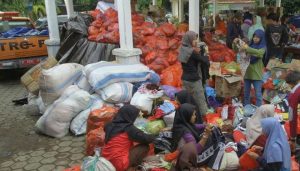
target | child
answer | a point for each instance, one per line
(254, 72)
(293, 79)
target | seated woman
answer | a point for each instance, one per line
(276, 153)
(186, 137)
(253, 126)
(185, 97)
(119, 137)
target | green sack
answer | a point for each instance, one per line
(154, 127)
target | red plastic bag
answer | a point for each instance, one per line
(93, 37)
(113, 27)
(238, 136)
(74, 168)
(159, 33)
(137, 20)
(150, 57)
(162, 43)
(294, 164)
(158, 65)
(93, 30)
(94, 138)
(99, 117)
(212, 117)
(173, 43)
(246, 162)
(97, 23)
(95, 13)
(111, 13)
(168, 29)
(172, 57)
(172, 75)
(148, 28)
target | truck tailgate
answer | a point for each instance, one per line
(22, 47)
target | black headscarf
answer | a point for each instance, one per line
(122, 122)
(185, 97)
(182, 124)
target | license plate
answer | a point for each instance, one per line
(30, 62)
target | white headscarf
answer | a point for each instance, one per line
(253, 125)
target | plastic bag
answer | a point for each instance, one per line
(96, 163)
(154, 127)
(170, 91)
(172, 75)
(168, 29)
(94, 139)
(99, 117)
(141, 123)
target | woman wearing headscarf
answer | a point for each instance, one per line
(185, 97)
(276, 154)
(186, 136)
(245, 28)
(119, 137)
(253, 125)
(257, 25)
(254, 72)
(195, 67)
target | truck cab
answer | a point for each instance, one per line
(19, 51)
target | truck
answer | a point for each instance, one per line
(23, 51)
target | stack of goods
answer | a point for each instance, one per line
(159, 44)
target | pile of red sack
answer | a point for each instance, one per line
(95, 127)
(159, 45)
(218, 52)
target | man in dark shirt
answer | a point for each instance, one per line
(234, 30)
(276, 38)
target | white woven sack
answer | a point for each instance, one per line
(57, 118)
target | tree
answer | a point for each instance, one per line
(289, 6)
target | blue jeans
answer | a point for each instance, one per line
(258, 91)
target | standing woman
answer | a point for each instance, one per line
(257, 25)
(194, 74)
(254, 72)
(119, 137)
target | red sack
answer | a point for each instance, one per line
(112, 37)
(95, 13)
(97, 23)
(138, 38)
(113, 27)
(93, 30)
(168, 29)
(146, 49)
(150, 41)
(137, 20)
(162, 43)
(111, 13)
(173, 43)
(159, 33)
(158, 65)
(172, 75)
(148, 28)
(94, 138)
(150, 57)
(99, 117)
(172, 57)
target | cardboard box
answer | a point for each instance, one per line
(228, 86)
(273, 63)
